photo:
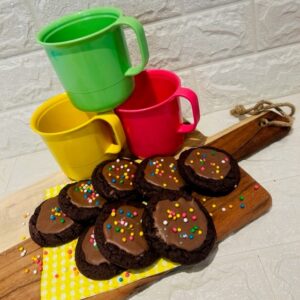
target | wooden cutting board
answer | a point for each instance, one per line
(241, 140)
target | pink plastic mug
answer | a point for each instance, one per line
(151, 116)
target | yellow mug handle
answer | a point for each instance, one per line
(114, 122)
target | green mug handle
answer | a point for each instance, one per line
(142, 42)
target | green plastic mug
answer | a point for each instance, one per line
(89, 53)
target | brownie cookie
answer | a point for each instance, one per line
(209, 171)
(120, 237)
(50, 227)
(158, 174)
(89, 260)
(179, 228)
(113, 179)
(80, 201)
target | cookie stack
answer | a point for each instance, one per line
(128, 215)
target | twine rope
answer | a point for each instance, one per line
(263, 106)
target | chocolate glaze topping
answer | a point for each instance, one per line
(83, 194)
(123, 228)
(120, 174)
(90, 249)
(209, 163)
(163, 172)
(180, 223)
(51, 219)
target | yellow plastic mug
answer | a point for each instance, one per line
(78, 140)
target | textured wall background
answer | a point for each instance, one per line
(228, 51)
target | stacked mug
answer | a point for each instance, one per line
(107, 99)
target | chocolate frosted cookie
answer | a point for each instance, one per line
(158, 174)
(209, 171)
(89, 260)
(80, 201)
(50, 227)
(113, 179)
(179, 228)
(120, 237)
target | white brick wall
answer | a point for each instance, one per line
(228, 51)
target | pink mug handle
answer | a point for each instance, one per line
(193, 99)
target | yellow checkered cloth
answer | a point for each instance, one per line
(61, 279)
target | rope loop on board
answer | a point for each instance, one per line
(263, 106)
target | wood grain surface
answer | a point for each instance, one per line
(241, 140)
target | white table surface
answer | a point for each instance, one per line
(261, 261)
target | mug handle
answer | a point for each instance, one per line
(193, 99)
(114, 122)
(142, 42)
